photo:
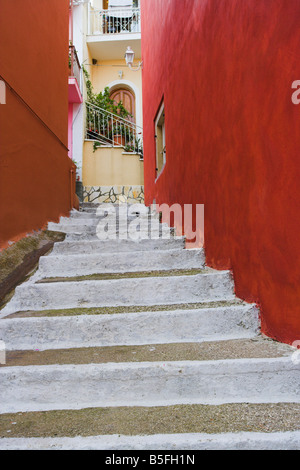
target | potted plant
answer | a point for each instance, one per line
(115, 132)
(79, 185)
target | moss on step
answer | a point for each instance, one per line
(130, 309)
(234, 417)
(19, 260)
(14, 255)
(127, 275)
(258, 347)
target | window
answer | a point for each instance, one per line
(160, 140)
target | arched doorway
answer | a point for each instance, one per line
(128, 100)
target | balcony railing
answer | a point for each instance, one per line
(121, 21)
(74, 65)
(110, 129)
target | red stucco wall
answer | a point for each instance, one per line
(225, 69)
(35, 178)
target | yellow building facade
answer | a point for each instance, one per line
(112, 168)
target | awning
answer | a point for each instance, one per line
(120, 3)
(120, 8)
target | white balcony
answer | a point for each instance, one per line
(115, 21)
(75, 87)
(111, 31)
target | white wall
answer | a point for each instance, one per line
(79, 31)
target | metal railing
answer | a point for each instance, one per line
(110, 129)
(120, 21)
(74, 65)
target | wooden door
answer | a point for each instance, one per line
(127, 99)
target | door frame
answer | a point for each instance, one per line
(138, 101)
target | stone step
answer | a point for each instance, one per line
(127, 212)
(82, 222)
(70, 225)
(85, 264)
(119, 215)
(289, 440)
(125, 425)
(102, 232)
(256, 347)
(77, 311)
(116, 246)
(157, 290)
(62, 387)
(84, 206)
(92, 234)
(110, 211)
(94, 219)
(197, 325)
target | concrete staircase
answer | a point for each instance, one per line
(133, 343)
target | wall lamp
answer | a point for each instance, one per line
(129, 57)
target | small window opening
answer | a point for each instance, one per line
(160, 138)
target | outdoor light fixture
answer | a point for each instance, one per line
(129, 57)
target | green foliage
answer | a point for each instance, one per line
(136, 147)
(103, 100)
(88, 83)
(76, 164)
(104, 124)
(96, 145)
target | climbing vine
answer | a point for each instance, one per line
(103, 100)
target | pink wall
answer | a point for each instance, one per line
(70, 129)
(225, 69)
(36, 180)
